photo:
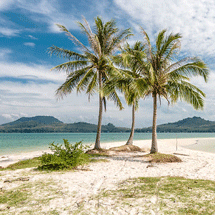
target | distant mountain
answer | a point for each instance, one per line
(195, 124)
(46, 120)
(48, 124)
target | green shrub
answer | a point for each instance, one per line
(68, 156)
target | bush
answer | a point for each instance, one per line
(68, 156)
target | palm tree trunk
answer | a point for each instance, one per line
(154, 147)
(99, 126)
(130, 140)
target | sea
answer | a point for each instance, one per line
(13, 143)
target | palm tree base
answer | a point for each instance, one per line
(127, 148)
(98, 148)
(153, 151)
(129, 143)
(97, 151)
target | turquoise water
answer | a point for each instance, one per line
(19, 142)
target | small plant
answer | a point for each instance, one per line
(68, 156)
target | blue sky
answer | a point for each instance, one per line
(28, 28)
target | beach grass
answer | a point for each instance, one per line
(94, 160)
(29, 163)
(162, 158)
(165, 195)
(29, 197)
(36, 161)
(146, 195)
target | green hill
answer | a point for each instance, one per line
(195, 124)
(46, 120)
(47, 124)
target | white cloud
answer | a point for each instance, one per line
(8, 32)
(4, 53)
(40, 6)
(13, 116)
(5, 4)
(49, 12)
(52, 13)
(32, 72)
(39, 99)
(32, 37)
(7, 116)
(29, 44)
(193, 19)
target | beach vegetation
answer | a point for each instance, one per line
(90, 68)
(162, 158)
(163, 76)
(155, 71)
(127, 148)
(12, 197)
(129, 61)
(66, 156)
(94, 160)
(29, 163)
(37, 162)
(97, 153)
(161, 195)
(29, 197)
(113, 151)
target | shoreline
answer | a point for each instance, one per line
(8, 159)
(17, 143)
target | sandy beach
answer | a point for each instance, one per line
(79, 186)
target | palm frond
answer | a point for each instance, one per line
(176, 65)
(92, 38)
(141, 86)
(83, 83)
(71, 66)
(92, 85)
(196, 68)
(176, 76)
(113, 96)
(73, 38)
(160, 39)
(186, 92)
(148, 44)
(118, 40)
(70, 55)
(170, 44)
(71, 82)
(172, 51)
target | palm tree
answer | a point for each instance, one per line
(122, 83)
(92, 67)
(166, 77)
(130, 59)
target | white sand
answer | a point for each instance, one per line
(78, 186)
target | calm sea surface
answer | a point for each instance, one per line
(16, 143)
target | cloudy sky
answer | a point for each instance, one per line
(27, 30)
